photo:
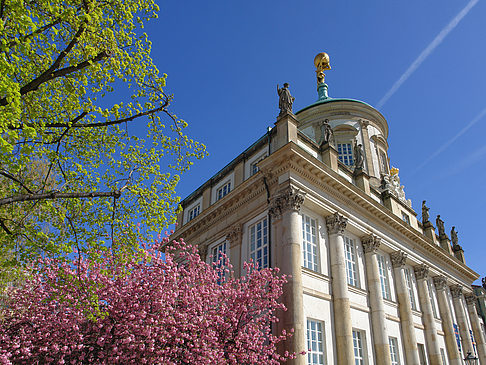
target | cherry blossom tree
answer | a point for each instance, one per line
(143, 310)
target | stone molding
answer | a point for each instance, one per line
(456, 290)
(288, 199)
(421, 271)
(370, 243)
(440, 282)
(471, 299)
(336, 223)
(398, 258)
(234, 234)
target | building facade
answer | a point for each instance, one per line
(316, 197)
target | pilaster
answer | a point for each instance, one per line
(367, 147)
(336, 224)
(233, 237)
(471, 301)
(378, 318)
(456, 292)
(330, 156)
(398, 259)
(286, 130)
(440, 283)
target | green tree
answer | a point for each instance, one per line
(79, 170)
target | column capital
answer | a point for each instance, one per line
(233, 235)
(336, 223)
(421, 271)
(398, 258)
(471, 299)
(370, 243)
(440, 282)
(202, 251)
(289, 198)
(456, 290)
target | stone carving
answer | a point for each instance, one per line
(391, 183)
(327, 135)
(483, 281)
(471, 299)
(425, 213)
(234, 234)
(203, 251)
(456, 290)
(440, 282)
(370, 243)
(398, 258)
(285, 100)
(454, 238)
(421, 271)
(359, 157)
(440, 227)
(288, 199)
(336, 223)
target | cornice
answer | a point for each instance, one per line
(293, 157)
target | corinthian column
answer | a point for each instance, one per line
(456, 291)
(433, 349)
(336, 225)
(406, 319)
(440, 283)
(285, 209)
(380, 336)
(471, 301)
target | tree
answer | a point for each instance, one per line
(151, 310)
(76, 158)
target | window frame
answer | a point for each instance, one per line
(190, 208)
(384, 277)
(405, 218)
(394, 355)
(224, 189)
(351, 264)
(253, 253)
(212, 259)
(229, 178)
(313, 263)
(360, 339)
(409, 280)
(347, 155)
(320, 352)
(432, 297)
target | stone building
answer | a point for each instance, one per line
(316, 197)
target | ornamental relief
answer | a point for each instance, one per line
(370, 243)
(456, 290)
(440, 282)
(288, 199)
(398, 259)
(336, 223)
(421, 271)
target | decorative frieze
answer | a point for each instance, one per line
(370, 243)
(471, 299)
(440, 282)
(234, 234)
(288, 199)
(456, 290)
(336, 223)
(398, 258)
(421, 271)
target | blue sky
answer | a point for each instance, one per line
(224, 59)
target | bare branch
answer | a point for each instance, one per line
(57, 195)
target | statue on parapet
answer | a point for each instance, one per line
(327, 135)
(285, 100)
(425, 213)
(484, 282)
(358, 156)
(454, 238)
(440, 227)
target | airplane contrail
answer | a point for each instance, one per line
(426, 52)
(476, 119)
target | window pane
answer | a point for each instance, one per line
(315, 345)
(395, 359)
(309, 243)
(259, 243)
(350, 258)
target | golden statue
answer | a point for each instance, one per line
(321, 61)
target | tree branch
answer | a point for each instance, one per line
(40, 30)
(57, 195)
(11, 177)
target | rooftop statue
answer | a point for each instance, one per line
(358, 156)
(425, 213)
(484, 282)
(285, 100)
(327, 135)
(454, 238)
(321, 61)
(440, 226)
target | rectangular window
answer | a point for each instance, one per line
(194, 212)
(421, 351)
(432, 301)
(345, 153)
(254, 165)
(309, 243)
(223, 191)
(409, 281)
(385, 283)
(442, 355)
(405, 218)
(359, 357)
(217, 259)
(350, 257)
(383, 163)
(259, 248)
(395, 357)
(315, 343)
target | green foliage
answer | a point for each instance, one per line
(76, 166)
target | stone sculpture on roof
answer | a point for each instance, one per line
(285, 100)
